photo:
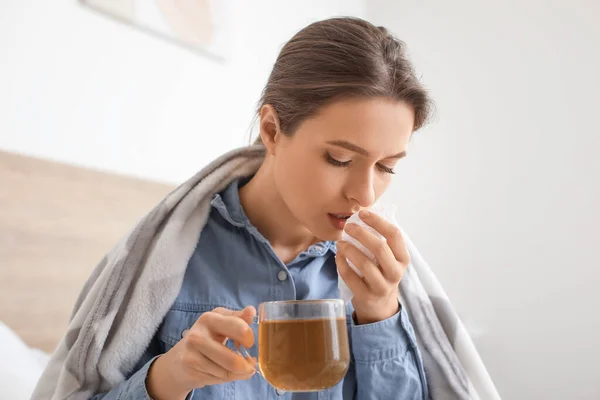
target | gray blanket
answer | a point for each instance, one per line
(127, 295)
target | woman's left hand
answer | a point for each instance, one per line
(376, 293)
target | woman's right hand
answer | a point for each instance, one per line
(200, 358)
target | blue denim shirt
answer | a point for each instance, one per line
(234, 266)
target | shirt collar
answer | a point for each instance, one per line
(228, 204)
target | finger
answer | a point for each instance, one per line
(206, 366)
(233, 363)
(371, 273)
(390, 231)
(203, 365)
(243, 377)
(388, 264)
(246, 314)
(233, 327)
(354, 282)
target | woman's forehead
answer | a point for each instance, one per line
(368, 123)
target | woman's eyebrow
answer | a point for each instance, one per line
(357, 149)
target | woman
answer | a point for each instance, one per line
(336, 117)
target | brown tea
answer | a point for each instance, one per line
(303, 355)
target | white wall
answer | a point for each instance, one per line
(502, 194)
(76, 86)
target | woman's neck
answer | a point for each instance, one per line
(267, 211)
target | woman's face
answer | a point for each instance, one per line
(340, 161)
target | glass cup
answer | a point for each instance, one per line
(302, 344)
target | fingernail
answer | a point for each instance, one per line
(350, 227)
(364, 213)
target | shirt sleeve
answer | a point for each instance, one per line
(386, 363)
(133, 388)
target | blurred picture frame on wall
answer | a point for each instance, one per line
(199, 25)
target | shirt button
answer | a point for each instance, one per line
(282, 275)
(280, 392)
(318, 248)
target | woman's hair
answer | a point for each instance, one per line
(341, 58)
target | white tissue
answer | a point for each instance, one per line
(388, 214)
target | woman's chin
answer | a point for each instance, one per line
(328, 234)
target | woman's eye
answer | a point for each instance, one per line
(385, 169)
(337, 163)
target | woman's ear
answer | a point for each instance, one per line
(270, 131)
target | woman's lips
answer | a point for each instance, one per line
(338, 220)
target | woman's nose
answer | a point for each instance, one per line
(361, 189)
